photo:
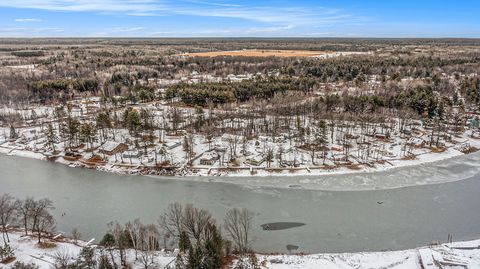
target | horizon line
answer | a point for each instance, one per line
(228, 37)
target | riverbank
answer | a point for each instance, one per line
(438, 171)
(458, 254)
(351, 147)
(341, 179)
(453, 255)
(344, 221)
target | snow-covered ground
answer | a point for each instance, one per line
(352, 155)
(453, 255)
(28, 251)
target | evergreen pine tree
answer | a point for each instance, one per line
(13, 133)
(213, 249)
(179, 262)
(184, 242)
(86, 258)
(195, 257)
(51, 137)
(105, 263)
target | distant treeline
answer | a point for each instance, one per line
(341, 69)
(421, 99)
(29, 53)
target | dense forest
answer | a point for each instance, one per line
(73, 68)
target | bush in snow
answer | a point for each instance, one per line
(21, 265)
(6, 253)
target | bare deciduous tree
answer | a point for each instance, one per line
(42, 220)
(188, 219)
(195, 221)
(62, 259)
(238, 224)
(118, 233)
(133, 230)
(147, 259)
(171, 220)
(45, 224)
(76, 235)
(7, 214)
(24, 207)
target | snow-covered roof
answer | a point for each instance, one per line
(256, 158)
(110, 145)
(210, 155)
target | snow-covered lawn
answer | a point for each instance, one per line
(454, 255)
(28, 251)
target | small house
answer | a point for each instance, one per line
(209, 158)
(255, 160)
(112, 148)
(290, 159)
(130, 154)
(381, 136)
(173, 144)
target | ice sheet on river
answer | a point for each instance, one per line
(448, 170)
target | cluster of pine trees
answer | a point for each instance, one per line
(62, 89)
(221, 93)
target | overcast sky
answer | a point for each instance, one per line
(239, 18)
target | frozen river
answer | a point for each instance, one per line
(335, 221)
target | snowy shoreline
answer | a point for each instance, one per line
(342, 179)
(464, 254)
(353, 159)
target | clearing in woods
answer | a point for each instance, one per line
(261, 53)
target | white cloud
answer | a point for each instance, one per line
(109, 6)
(271, 19)
(213, 3)
(31, 32)
(283, 16)
(127, 29)
(28, 20)
(293, 16)
(257, 30)
(142, 14)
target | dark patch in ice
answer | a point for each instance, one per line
(275, 226)
(292, 247)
